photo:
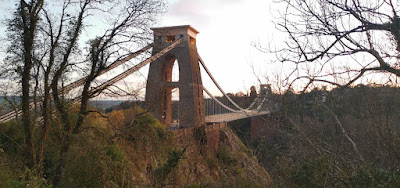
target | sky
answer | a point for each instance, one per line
(229, 31)
(228, 28)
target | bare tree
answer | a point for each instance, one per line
(23, 31)
(45, 47)
(338, 43)
(355, 37)
(129, 26)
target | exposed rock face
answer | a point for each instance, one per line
(207, 156)
(245, 158)
(231, 164)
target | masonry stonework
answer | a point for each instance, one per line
(159, 82)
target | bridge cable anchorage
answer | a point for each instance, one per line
(222, 91)
(12, 114)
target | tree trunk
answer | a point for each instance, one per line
(29, 14)
(28, 129)
(46, 125)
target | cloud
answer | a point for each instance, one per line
(189, 11)
(197, 13)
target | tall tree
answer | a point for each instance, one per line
(47, 46)
(23, 30)
(128, 26)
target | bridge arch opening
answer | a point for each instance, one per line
(175, 107)
(171, 72)
(171, 97)
(175, 72)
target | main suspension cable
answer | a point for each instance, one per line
(12, 114)
(135, 68)
(219, 102)
(222, 91)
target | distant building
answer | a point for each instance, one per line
(253, 92)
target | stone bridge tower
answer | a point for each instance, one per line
(159, 81)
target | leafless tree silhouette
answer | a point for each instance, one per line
(333, 39)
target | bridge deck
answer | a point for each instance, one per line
(233, 116)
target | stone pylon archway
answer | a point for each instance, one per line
(159, 81)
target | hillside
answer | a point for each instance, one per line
(345, 137)
(133, 150)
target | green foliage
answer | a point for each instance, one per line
(161, 173)
(94, 163)
(149, 144)
(115, 153)
(206, 183)
(224, 155)
(11, 176)
(199, 134)
(144, 154)
(242, 129)
(376, 178)
(310, 150)
(148, 133)
(6, 175)
(145, 119)
(212, 162)
(12, 138)
(30, 178)
(93, 159)
(12, 170)
(316, 173)
(309, 173)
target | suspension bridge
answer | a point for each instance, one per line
(172, 44)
